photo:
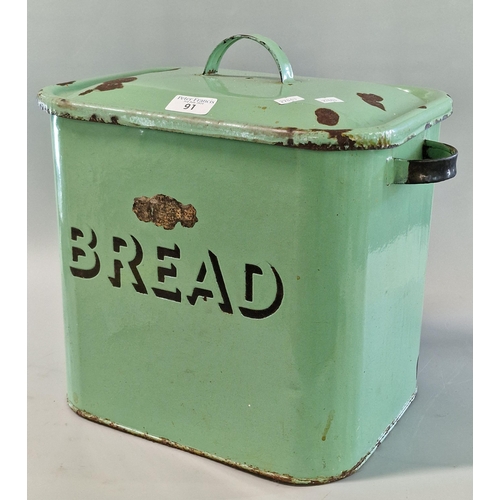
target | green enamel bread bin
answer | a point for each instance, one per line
(243, 258)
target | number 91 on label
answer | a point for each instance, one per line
(190, 104)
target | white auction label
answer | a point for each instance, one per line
(193, 105)
(288, 100)
(326, 100)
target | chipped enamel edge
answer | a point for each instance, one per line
(279, 477)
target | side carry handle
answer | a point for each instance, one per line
(438, 163)
(280, 58)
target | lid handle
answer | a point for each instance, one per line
(284, 66)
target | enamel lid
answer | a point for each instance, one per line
(281, 109)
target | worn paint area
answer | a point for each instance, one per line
(327, 116)
(111, 85)
(341, 136)
(373, 100)
(164, 211)
(64, 103)
(343, 140)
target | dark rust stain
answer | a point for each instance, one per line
(164, 211)
(422, 107)
(66, 83)
(327, 116)
(111, 84)
(95, 118)
(372, 99)
(113, 120)
(310, 145)
(343, 141)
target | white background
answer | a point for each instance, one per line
(423, 43)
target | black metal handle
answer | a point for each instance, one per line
(438, 163)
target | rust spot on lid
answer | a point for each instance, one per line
(327, 116)
(64, 84)
(343, 140)
(95, 118)
(164, 211)
(111, 84)
(64, 103)
(372, 99)
(99, 119)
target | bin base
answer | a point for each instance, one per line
(274, 476)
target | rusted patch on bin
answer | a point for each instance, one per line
(64, 84)
(164, 211)
(111, 85)
(372, 99)
(327, 116)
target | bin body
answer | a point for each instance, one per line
(279, 331)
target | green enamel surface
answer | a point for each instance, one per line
(371, 116)
(304, 392)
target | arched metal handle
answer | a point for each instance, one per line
(282, 62)
(438, 163)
